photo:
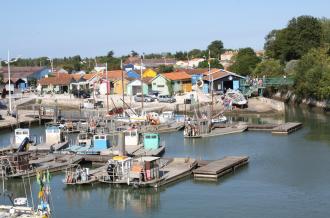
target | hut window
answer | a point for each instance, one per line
(154, 137)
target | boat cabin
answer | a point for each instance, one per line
(132, 137)
(122, 169)
(119, 168)
(20, 135)
(85, 139)
(101, 142)
(167, 116)
(144, 169)
(151, 141)
(54, 135)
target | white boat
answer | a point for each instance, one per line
(20, 201)
(220, 119)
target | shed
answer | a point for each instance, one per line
(223, 80)
(134, 87)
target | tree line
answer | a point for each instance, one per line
(301, 50)
(77, 63)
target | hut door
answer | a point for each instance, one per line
(235, 84)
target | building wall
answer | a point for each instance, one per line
(118, 88)
(220, 84)
(160, 84)
(136, 83)
(186, 86)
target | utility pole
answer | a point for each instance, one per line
(8, 59)
(9, 78)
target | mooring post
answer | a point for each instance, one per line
(121, 143)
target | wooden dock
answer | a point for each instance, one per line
(218, 168)
(286, 128)
(262, 127)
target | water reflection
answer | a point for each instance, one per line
(140, 201)
(316, 122)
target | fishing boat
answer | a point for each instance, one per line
(21, 142)
(19, 165)
(146, 144)
(20, 206)
(201, 128)
(220, 119)
(54, 140)
(77, 175)
(89, 144)
(147, 171)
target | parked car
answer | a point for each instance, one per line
(154, 94)
(146, 98)
(81, 94)
(166, 98)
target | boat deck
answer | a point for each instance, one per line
(221, 131)
(141, 151)
(218, 168)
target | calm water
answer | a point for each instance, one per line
(288, 176)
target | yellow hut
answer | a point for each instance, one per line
(118, 88)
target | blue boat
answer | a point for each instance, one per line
(89, 144)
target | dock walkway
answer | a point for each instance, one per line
(217, 168)
(286, 128)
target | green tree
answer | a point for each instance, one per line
(169, 87)
(110, 54)
(179, 55)
(216, 48)
(292, 42)
(245, 61)
(290, 67)
(134, 53)
(269, 67)
(214, 63)
(196, 53)
(312, 75)
(325, 31)
(165, 69)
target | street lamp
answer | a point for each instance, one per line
(9, 82)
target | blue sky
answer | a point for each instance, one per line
(68, 27)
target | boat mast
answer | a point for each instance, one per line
(106, 76)
(141, 72)
(210, 82)
(122, 80)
